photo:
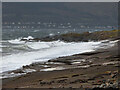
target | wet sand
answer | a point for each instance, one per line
(87, 70)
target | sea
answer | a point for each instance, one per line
(17, 53)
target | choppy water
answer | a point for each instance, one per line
(17, 53)
(9, 34)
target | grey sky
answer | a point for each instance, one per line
(59, 0)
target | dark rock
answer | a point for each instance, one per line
(78, 81)
(61, 61)
(91, 53)
(42, 82)
(76, 37)
(62, 81)
(75, 75)
(18, 71)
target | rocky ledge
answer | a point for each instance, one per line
(76, 37)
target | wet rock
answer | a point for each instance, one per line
(76, 37)
(18, 71)
(46, 83)
(107, 84)
(78, 81)
(61, 61)
(91, 53)
(75, 75)
(60, 77)
(42, 83)
(26, 67)
(91, 79)
(97, 76)
(107, 73)
(114, 75)
(52, 81)
(62, 81)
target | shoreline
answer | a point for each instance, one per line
(41, 54)
(97, 69)
(44, 67)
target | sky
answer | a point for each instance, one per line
(60, 0)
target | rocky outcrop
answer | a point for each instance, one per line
(85, 37)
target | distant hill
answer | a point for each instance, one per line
(88, 12)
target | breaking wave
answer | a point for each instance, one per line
(42, 51)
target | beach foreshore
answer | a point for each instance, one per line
(97, 69)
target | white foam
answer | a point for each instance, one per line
(52, 69)
(107, 63)
(0, 49)
(29, 70)
(6, 75)
(51, 34)
(28, 38)
(108, 44)
(16, 41)
(86, 66)
(15, 61)
(42, 45)
(53, 50)
(36, 30)
(37, 45)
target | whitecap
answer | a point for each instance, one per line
(51, 34)
(28, 38)
(16, 41)
(15, 61)
(53, 50)
(43, 45)
(19, 41)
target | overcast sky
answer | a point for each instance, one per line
(59, 0)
